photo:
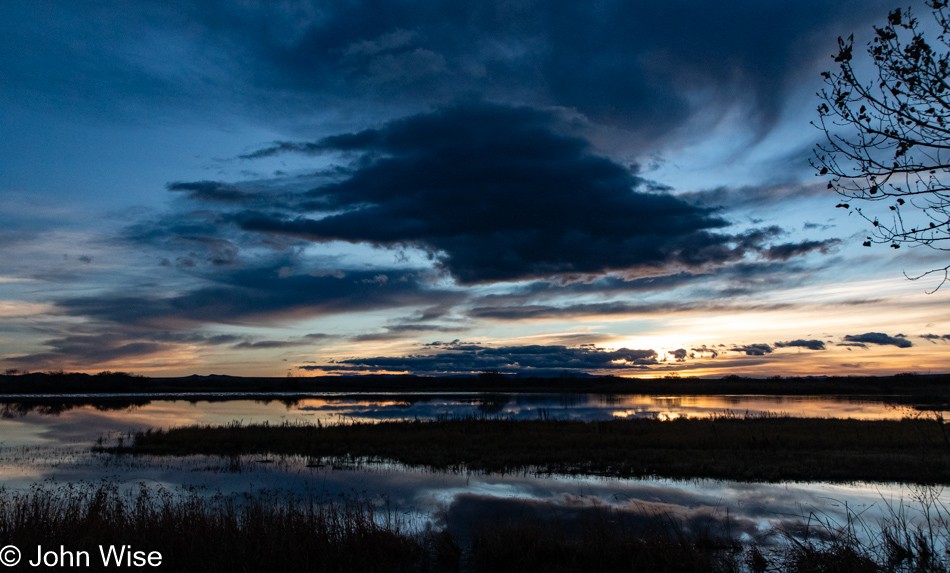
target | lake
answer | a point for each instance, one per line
(49, 439)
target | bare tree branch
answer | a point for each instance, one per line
(888, 139)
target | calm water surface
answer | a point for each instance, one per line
(51, 441)
(77, 418)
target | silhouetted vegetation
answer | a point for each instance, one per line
(275, 531)
(934, 388)
(264, 532)
(766, 448)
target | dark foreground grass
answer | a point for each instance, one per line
(265, 532)
(277, 532)
(753, 449)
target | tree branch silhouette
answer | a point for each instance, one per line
(887, 138)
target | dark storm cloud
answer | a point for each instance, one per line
(629, 63)
(262, 294)
(491, 192)
(809, 344)
(879, 338)
(933, 337)
(498, 193)
(463, 358)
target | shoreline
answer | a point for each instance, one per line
(933, 387)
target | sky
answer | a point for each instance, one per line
(538, 188)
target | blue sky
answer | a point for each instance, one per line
(429, 187)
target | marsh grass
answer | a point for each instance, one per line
(760, 448)
(195, 532)
(275, 531)
(913, 538)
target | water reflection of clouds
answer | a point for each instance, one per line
(39, 446)
(463, 499)
(800, 406)
(570, 512)
(83, 424)
(334, 409)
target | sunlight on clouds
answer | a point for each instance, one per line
(664, 345)
(18, 308)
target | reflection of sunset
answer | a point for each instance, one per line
(317, 404)
(798, 406)
(82, 424)
(666, 416)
